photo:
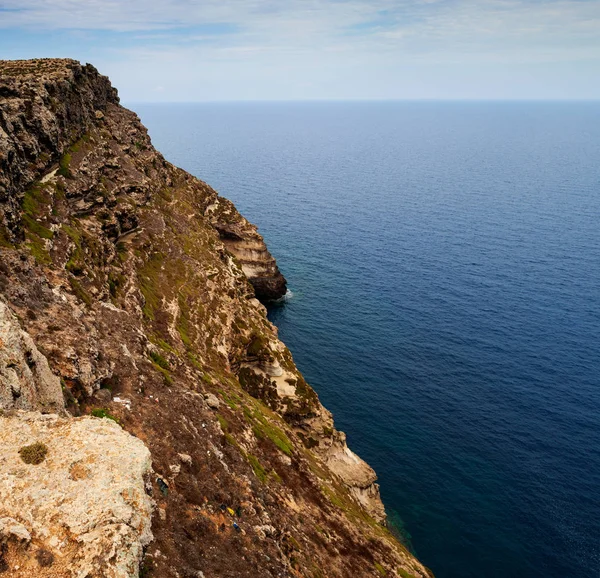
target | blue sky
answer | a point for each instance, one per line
(207, 50)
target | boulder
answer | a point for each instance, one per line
(83, 507)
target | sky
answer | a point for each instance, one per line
(215, 50)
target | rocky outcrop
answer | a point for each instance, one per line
(26, 381)
(83, 511)
(45, 105)
(243, 241)
(137, 282)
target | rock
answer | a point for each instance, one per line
(103, 396)
(76, 519)
(212, 401)
(99, 114)
(10, 529)
(123, 249)
(243, 240)
(272, 369)
(26, 381)
(357, 475)
(44, 92)
(185, 459)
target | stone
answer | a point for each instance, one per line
(26, 381)
(77, 519)
(185, 459)
(103, 396)
(10, 529)
(212, 401)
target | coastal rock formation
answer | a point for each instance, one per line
(138, 285)
(243, 241)
(83, 509)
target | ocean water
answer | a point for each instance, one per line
(444, 261)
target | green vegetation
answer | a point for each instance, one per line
(149, 276)
(231, 399)
(183, 321)
(162, 344)
(103, 413)
(380, 569)
(260, 472)
(258, 347)
(159, 360)
(34, 454)
(161, 365)
(4, 237)
(404, 574)
(38, 250)
(224, 423)
(80, 292)
(37, 228)
(64, 166)
(35, 201)
(265, 430)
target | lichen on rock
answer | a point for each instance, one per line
(85, 505)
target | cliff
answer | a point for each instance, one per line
(128, 306)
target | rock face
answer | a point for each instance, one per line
(243, 241)
(134, 285)
(26, 381)
(44, 108)
(83, 511)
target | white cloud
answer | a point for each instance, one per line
(319, 47)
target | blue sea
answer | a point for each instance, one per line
(444, 267)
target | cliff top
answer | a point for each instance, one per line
(37, 68)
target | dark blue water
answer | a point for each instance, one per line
(444, 261)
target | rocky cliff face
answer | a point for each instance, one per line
(131, 286)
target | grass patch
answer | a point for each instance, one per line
(159, 360)
(183, 322)
(102, 412)
(37, 228)
(266, 430)
(34, 454)
(404, 574)
(148, 281)
(38, 250)
(64, 166)
(161, 365)
(80, 292)
(5, 237)
(380, 569)
(259, 471)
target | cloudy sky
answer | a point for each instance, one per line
(206, 50)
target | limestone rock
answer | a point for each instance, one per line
(26, 381)
(212, 401)
(357, 475)
(243, 240)
(84, 506)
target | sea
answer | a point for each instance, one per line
(443, 261)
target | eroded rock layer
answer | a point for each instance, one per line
(138, 284)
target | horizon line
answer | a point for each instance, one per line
(367, 100)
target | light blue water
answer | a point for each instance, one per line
(445, 266)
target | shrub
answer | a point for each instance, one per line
(34, 454)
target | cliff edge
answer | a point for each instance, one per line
(128, 305)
